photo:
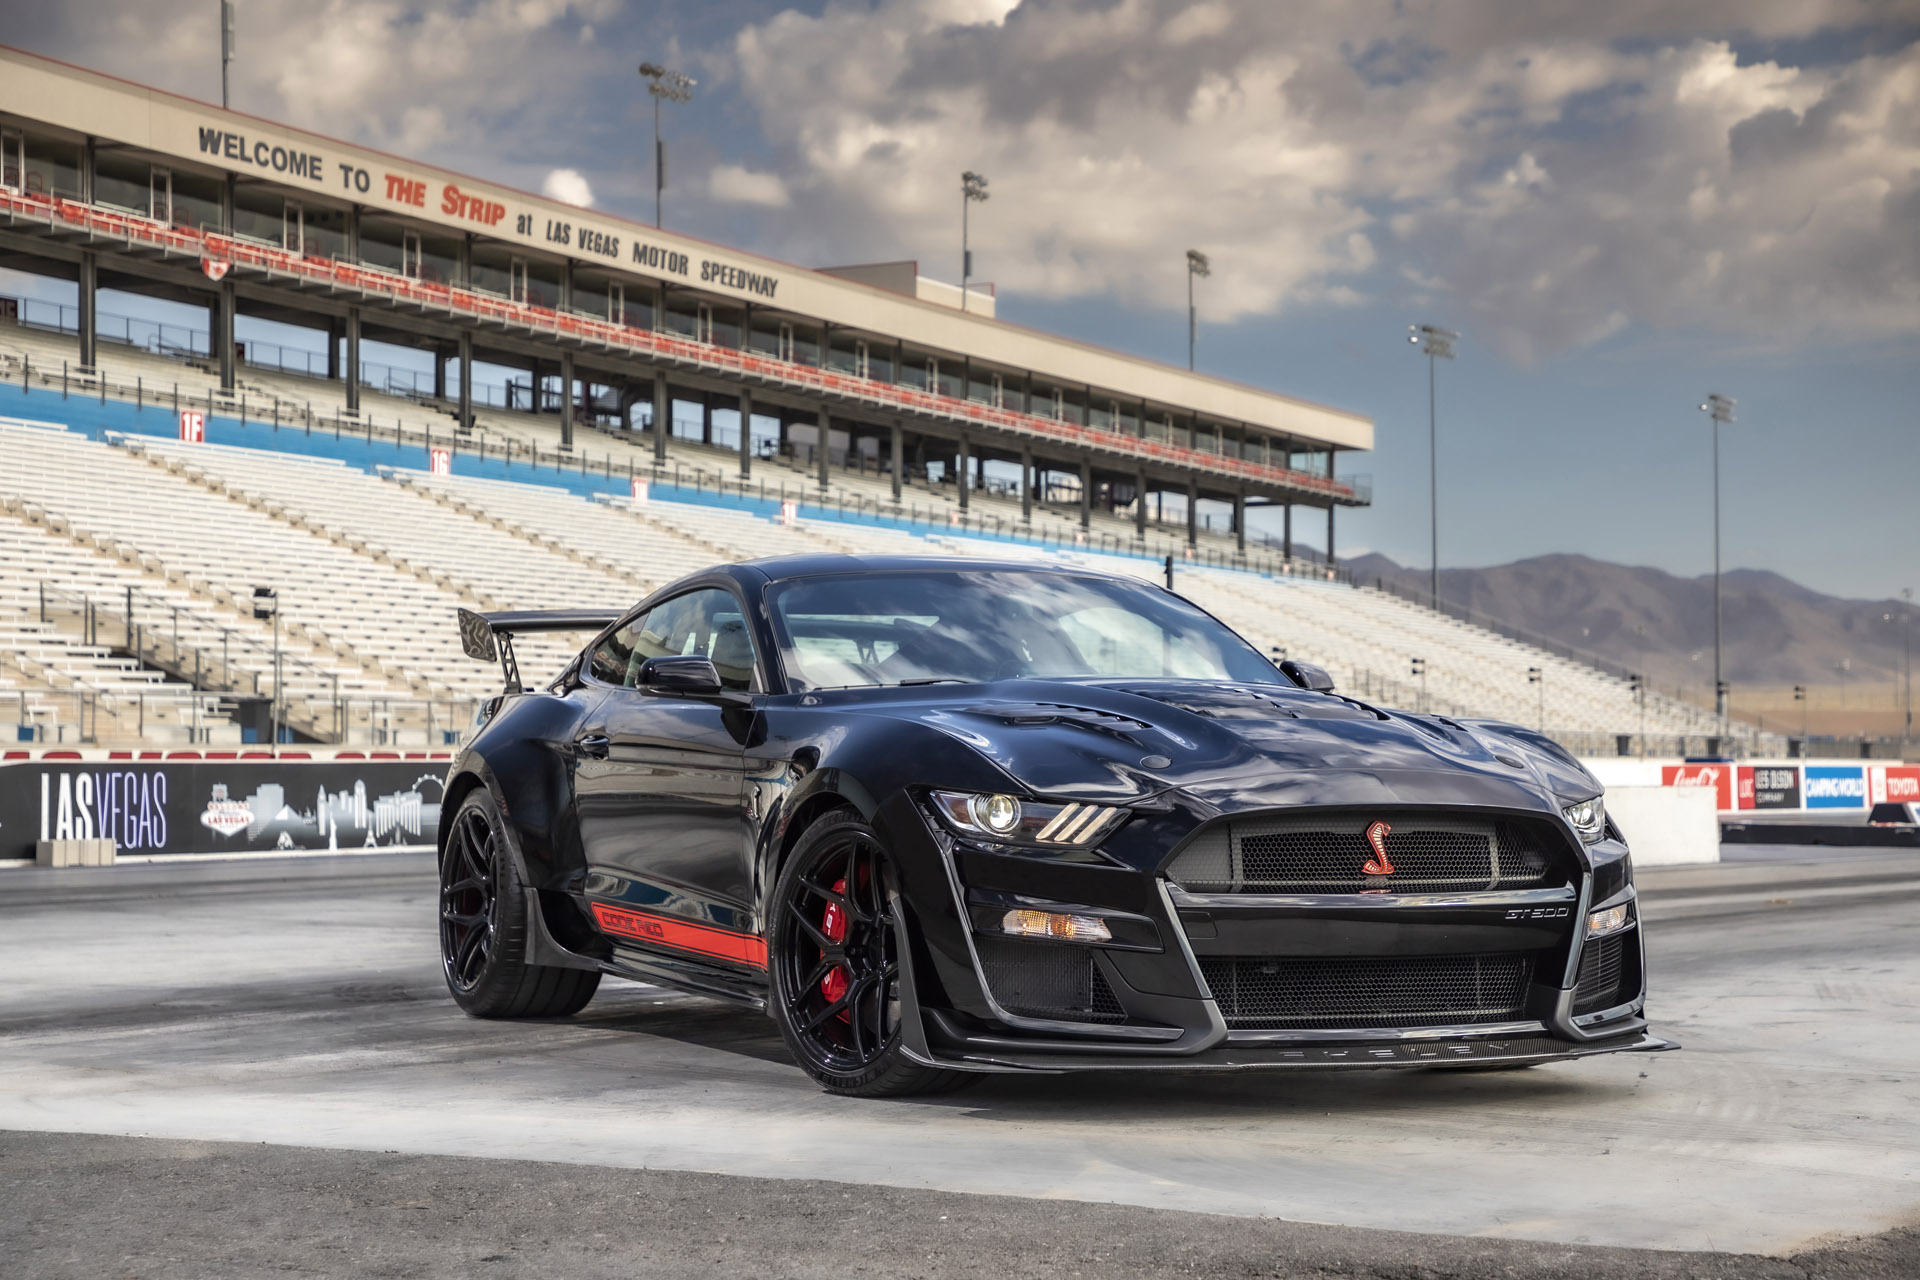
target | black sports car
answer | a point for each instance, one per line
(942, 817)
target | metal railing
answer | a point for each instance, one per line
(178, 642)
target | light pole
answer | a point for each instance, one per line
(266, 604)
(1800, 696)
(1536, 676)
(973, 188)
(1438, 345)
(1638, 686)
(1720, 409)
(226, 47)
(1197, 265)
(663, 82)
(1419, 668)
(1906, 663)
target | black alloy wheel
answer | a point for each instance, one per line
(835, 966)
(469, 906)
(483, 926)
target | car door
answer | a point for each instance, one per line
(659, 785)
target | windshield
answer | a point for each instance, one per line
(927, 626)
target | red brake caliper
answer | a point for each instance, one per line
(834, 925)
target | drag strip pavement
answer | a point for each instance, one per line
(300, 1003)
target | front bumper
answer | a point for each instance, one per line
(1160, 1013)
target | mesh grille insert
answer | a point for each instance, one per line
(1047, 980)
(1340, 992)
(1602, 962)
(1317, 854)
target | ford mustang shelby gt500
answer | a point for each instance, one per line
(942, 817)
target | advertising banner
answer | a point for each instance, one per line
(1769, 787)
(1717, 776)
(1836, 786)
(1893, 782)
(220, 806)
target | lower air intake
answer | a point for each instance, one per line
(1602, 965)
(1348, 992)
(1047, 980)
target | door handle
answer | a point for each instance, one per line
(595, 745)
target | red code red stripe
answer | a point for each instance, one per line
(722, 944)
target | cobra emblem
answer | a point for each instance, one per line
(1379, 864)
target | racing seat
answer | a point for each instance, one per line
(733, 654)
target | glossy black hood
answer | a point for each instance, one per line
(1228, 747)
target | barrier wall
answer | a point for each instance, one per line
(1837, 787)
(1666, 826)
(220, 803)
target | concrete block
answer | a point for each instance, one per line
(75, 853)
(1667, 826)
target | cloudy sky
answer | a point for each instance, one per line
(1621, 206)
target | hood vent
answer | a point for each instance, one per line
(1242, 702)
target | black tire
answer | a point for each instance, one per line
(483, 927)
(846, 1036)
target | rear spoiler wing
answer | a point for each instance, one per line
(489, 636)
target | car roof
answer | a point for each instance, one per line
(781, 568)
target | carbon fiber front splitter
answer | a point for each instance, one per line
(1466, 1051)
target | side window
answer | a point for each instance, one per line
(706, 624)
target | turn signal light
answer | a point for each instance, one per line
(1611, 920)
(1055, 925)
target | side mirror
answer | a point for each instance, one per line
(679, 677)
(1309, 677)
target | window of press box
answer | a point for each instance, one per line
(915, 367)
(262, 216)
(196, 200)
(726, 325)
(47, 166)
(323, 232)
(126, 182)
(684, 314)
(493, 270)
(636, 304)
(386, 244)
(542, 287)
(847, 353)
(595, 296)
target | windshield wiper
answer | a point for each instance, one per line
(932, 680)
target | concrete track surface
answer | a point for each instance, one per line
(297, 1003)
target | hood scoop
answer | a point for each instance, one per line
(1241, 702)
(1036, 714)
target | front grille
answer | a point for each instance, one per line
(1309, 853)
(1602, 964)
(1047, 980)
(1343, 992)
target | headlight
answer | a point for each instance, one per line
(1589, 818)
(1015, 821)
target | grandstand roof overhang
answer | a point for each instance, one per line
(312, 168)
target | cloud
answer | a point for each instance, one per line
(736, 185)
(1549, 173)
(568, 187)
(448, 80)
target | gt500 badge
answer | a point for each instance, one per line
(1539, 913)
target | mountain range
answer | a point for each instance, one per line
(1776, 632)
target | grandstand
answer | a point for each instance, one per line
(108, 517)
